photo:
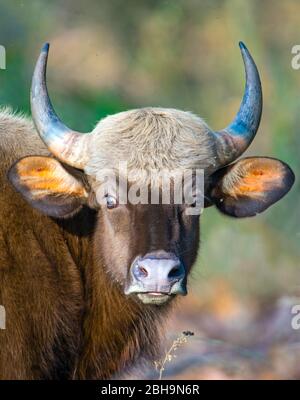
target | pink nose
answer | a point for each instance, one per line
(157, 274)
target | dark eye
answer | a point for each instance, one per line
(111, 202)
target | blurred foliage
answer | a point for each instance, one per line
(108, 56)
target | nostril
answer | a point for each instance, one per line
(143, 271)
(175, 271)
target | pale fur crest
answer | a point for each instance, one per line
(151, 139)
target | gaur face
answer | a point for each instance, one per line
(148, 249)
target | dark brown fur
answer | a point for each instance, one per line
(66, 315)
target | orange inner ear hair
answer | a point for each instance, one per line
(45, 175)
(254, 177)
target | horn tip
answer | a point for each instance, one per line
(45, 48)
(242, 46)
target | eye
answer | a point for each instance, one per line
(111, 202)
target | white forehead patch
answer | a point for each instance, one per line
(150, 139)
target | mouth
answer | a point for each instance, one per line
(156, 298)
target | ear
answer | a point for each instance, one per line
(250, 186)
(48, 186)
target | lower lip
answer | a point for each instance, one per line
(154, 298)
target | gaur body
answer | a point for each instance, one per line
(86, 282)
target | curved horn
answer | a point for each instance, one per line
(67, 145)
(232, 141)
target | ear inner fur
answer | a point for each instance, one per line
(48, 186)
(250, 186)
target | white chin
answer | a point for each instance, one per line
(154, 298)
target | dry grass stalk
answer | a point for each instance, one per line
(170, 354)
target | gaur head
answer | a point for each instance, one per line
(148, 249)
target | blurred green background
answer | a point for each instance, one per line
(109, 56)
